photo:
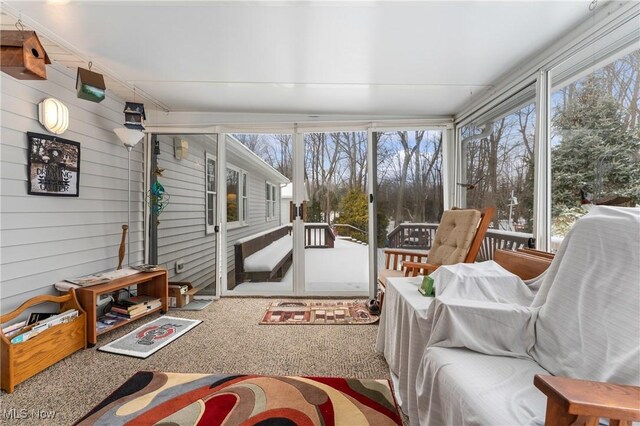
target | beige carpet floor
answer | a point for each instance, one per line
(228, 341)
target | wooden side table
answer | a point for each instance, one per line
(154, 284)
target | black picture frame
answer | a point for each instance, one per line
(53, 166)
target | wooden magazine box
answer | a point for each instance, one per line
(21, 361)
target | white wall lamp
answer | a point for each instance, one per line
(181, 148)
(53, 115)
(130, 138)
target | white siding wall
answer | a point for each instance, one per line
(257, 220)
(47, 239)
(181, 232)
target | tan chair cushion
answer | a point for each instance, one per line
(386, 273)
(454, 236)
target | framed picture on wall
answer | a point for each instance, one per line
(53, 166)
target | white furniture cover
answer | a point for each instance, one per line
(583, 323)
(405, 321)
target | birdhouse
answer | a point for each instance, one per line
(134, 115)
(90, 85)
(22, 55)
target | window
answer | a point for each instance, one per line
(270, 197)
(210, 190)
(245, 203)
(237, 202)
(499, 166)
(594, 142)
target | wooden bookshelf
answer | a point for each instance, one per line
(154, 284)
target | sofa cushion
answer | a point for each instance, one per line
(588, 325)
(454, 236)
(462, 387)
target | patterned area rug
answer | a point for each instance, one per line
(318, 312)
(207, 399)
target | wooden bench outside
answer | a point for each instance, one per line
(252, 245)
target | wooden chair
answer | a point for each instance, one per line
(525, 263)
(458, 240)
(404, 263)
(583, 402)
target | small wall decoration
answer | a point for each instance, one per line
(53, 166)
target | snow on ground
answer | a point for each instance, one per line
(343, 268)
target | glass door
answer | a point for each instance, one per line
(335, 214)
(182, 201)
(408, 188)
(259, 231)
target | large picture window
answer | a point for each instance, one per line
(237, 201)
(210, 189)
(499, 167)
(595, 142)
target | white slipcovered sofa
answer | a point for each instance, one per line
(584, 323)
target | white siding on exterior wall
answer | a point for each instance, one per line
(256, 221)
(46, 239)
(181, 232)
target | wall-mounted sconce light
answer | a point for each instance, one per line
(90, 85)
(53, 115)
(22, 55)
(181, 148)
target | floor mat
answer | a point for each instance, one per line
(318, 312)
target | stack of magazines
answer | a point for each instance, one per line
(44, 324)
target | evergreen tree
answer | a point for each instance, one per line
(596, 154)
(354, 211)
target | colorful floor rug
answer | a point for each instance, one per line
(207, 399)
(318, 312)
(151, 337)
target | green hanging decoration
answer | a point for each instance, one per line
(157, 198)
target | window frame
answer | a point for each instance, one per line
(210, 228)
(271, 200)
(242, 196)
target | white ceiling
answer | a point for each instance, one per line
(395, 59)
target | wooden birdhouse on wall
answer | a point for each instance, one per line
(22, 55)
(134, 115)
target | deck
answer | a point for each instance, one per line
(344, 268)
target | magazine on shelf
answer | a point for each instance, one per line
(102, 277)
(109, 320)
(13, 329)
(88, 280)
(34, 317)
(142, 299)
(147, 267)
(39, 327)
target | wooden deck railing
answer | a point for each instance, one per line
(318, 235)
(419, 236)
(412, 236)
(506, 240)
